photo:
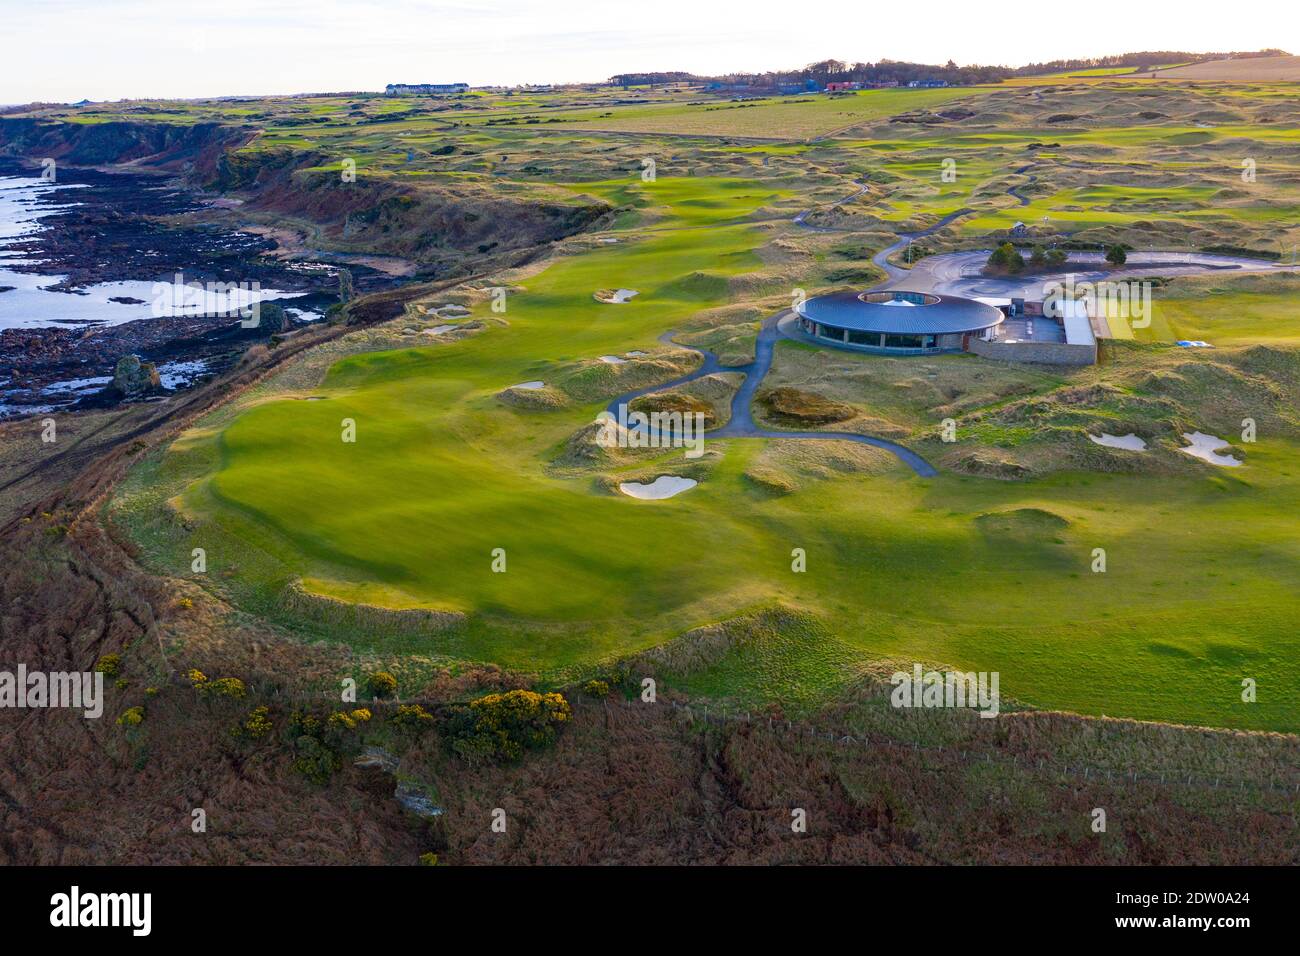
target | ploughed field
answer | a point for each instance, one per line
(987, 567)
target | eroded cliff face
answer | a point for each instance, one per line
(192, 149)
(430, 224)
(376, 213)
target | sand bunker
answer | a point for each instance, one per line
(665, 486)
(614, 296)
(530, 385)
(613, 360)
(1128, 442)
(439, 329)
(1205, 447)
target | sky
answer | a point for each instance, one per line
(67, 50)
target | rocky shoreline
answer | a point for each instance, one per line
(109, 226)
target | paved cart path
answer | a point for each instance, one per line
(957, 273)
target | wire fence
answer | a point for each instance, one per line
(1081, 771)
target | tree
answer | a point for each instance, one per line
(1005, 258)
(271, 319)
(1116, 255)
(1038, 258)
(1057, 257)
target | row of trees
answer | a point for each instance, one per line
(1006, 258)
(1147, 58)
(902, 73)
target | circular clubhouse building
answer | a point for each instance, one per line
(895, 322)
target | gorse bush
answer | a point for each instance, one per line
(411, 717)
(340, 720)
(131, 717)
(256, 725)
(382, 684)
(223, 687)
(315, 760)
(304, 724)
(503, 726)
(110, 665)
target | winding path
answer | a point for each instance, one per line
(741, 423)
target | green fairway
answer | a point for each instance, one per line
(1202, 570)
(449, 464)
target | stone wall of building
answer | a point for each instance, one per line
(1048, 353)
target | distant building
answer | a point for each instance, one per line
(836, 87)
(927, 84)
(436, 89)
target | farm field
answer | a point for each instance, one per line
(1266, 69)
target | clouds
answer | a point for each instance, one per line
(69, 49)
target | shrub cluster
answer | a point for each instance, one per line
(411, 717)
(503, 726)
(221, 687)
(1005, 258)
(382, 684)
(256, 725)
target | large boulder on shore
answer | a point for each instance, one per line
(132, 377)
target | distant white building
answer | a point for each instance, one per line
(435, 89)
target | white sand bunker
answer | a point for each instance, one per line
(1206, 448)
(531, 386)
(439, 329)
(607, 241)
(448, 309)
(615, 296)
(665, 486)
(1129, 442)
(613, 360)
(635, 353)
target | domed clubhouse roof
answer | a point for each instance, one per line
(897, 312)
